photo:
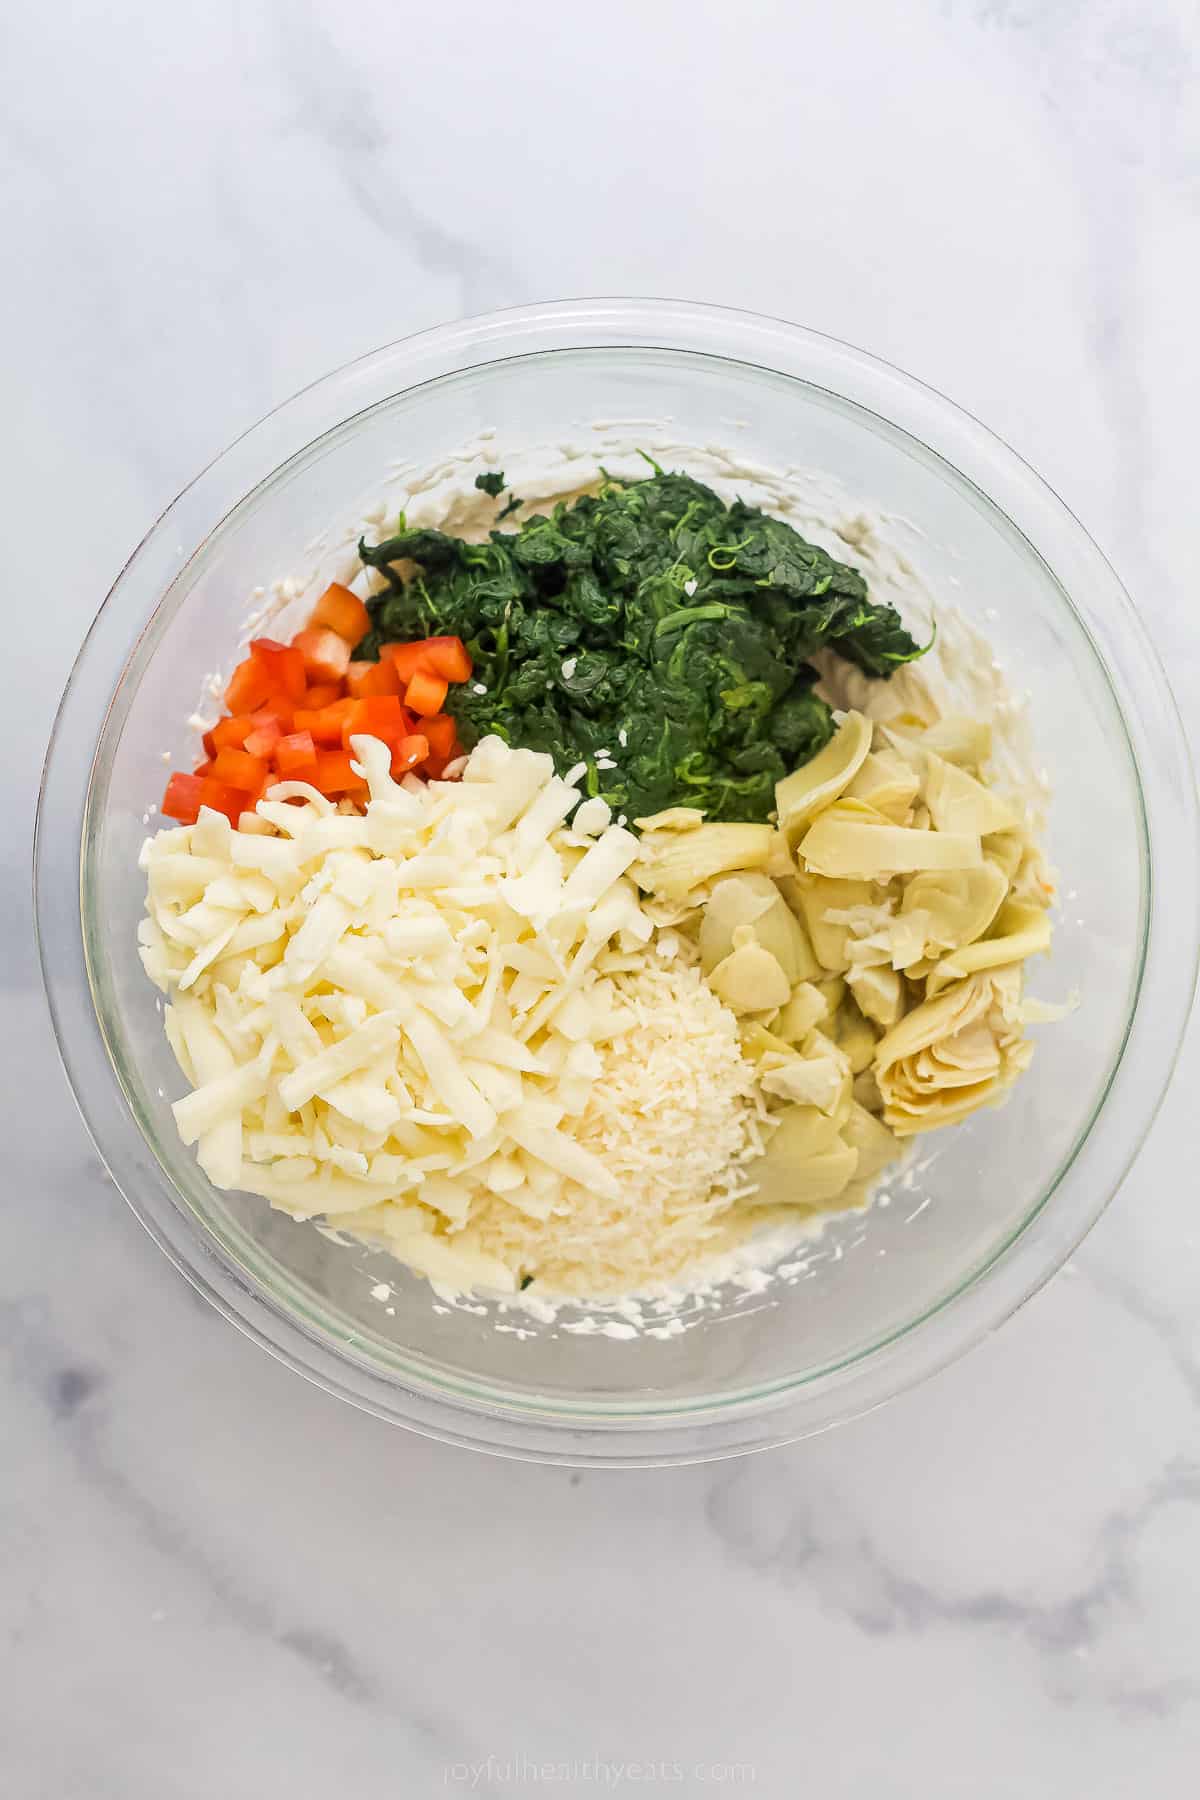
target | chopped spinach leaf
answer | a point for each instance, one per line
(650, 631)
(491, 483)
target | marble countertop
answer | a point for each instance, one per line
(215, 1580)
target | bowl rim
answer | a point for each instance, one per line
(1044, 1238)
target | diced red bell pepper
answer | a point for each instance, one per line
(186, 794)
(426, 694)
(366, 679)
(442, 733)
(444, 656)
(333, 774)
(409, 753)
(296, 756)
(182, 798)
(406, 657)
(249, 686)
(382, 716)
(341, 611)
(276, 712)
(238, 769)
(263, 739)
(294, 708)
(325, 725)
(447, 657)
(222, 798)
(326, 655)
(322, 693)
(284, 667)
(230, 733)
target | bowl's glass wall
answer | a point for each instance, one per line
(871, 1276)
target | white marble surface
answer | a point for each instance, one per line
(214, 1581)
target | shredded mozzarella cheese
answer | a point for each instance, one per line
(448, 1024)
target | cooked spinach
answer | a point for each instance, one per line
(650, 631)
(492, 484)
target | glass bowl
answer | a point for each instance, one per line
(885, 1297)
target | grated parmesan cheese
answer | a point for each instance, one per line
(675, 1118)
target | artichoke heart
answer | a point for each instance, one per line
(816, 1075)
(818, 899)
(801, 796)
(879, 992)
(749, 980)
(960, 740)
(854, 1036)
(871, 1138)
(850, 840)
(953, 906)
(953, 1054)
(806, 1009)
(959, 803)
(807, 1162)
(1020, 931)
(887, 782)
(752, 902)
(673, 862)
